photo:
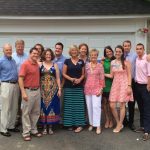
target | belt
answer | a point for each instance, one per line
(32, 89)
(12, 82)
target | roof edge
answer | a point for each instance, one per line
(74, 17)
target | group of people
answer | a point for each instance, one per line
(47, 88)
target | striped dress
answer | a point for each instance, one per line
(74, 105)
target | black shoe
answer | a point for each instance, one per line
(14, 130)
(5, 134)
(145, 137)
(139, 130)
(132, 127)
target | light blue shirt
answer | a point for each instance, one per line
(19, 59)
(60, 62)
(8, 69)
(131, 57)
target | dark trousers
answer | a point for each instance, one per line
(143, 101)
(131, 105)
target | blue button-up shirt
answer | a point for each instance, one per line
(8, 69)
(19, 59)
(60, 62)
(131, 57)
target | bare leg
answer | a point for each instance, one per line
(114, 111)
(105, 108)
(122, 115)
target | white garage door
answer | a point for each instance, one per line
(98, 41)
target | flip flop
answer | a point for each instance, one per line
(78, 130)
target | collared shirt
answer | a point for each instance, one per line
(60, 62)
(19, 59)
(142, 70)
(31, 74)
(8, 69)
(131, 57)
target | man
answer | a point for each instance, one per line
(131, 57)
(142, 77)
(9, 91)
(59, 60)
(19, 56)
(29, 81)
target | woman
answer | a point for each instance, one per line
(73, 73)
(84, 52)
(50, 92)
(121, 91)
(109, 56)
(93, 90)
(40, 49)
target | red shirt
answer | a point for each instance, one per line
(31, 74)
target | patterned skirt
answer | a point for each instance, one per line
(50, 114)
(74, 107)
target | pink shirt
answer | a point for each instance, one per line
(142, 71)
(94, 79)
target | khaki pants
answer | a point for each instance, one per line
(31, 112)
(9, 98)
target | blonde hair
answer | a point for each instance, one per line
(73, 47)
(19, 42)
(94, 50)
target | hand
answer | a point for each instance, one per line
(148, 87)
(24, 96)
(129, 90)
(99, 93)
(77, 81)
(59, 93)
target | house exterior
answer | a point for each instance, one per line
(96, 22)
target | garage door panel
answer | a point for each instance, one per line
(98, 41)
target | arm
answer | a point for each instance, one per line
(77, 81)
(148, 70)
(64, 73)
(58, 79)
(23, 92)
(102, 81)
(128, 66)
(111, 75)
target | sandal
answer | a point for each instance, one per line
(90, 128)
(27, 138)
(78, 130)
(37, 134)
(44, 132)
(98, 131)
(51, 131)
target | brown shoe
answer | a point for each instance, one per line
(139, 130)
(145, 137)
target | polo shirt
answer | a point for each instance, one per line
(31, 74)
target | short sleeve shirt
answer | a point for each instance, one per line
(74, 71)
(31, 74)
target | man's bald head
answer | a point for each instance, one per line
(7, 49)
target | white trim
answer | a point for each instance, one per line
(74, 17)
